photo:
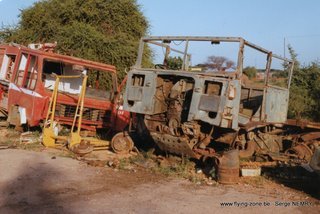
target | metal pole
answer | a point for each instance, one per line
(284, 47)
(185, 55)
(54, 101)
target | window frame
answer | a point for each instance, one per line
(27, 81)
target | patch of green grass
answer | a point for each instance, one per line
(124, 164)
(139, 158)
(186, 171)
(180, 170)
(171, 166)
(258, 181)
(10, 143)
(31, 146)
(196, 179)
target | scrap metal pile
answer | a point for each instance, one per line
(203, 111)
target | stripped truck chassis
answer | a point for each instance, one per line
(201, 114)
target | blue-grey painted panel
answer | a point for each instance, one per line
(276, 104)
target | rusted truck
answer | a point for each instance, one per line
(198, 111)
(27, 81)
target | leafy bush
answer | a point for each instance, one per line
(304, 102)
(251, 72)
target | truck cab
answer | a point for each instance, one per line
(27, 76)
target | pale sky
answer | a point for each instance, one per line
(263, 22)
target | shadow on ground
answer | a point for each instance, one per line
(295, 177)
(29, 192)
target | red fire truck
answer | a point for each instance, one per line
(27, 80)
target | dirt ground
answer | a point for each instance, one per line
(45, 182)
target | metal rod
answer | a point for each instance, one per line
(165, 45)
(67, 77)
(54, 101)
(79, 109)
(240, 57)
(268, 66)
(191, 38)
(185, 55)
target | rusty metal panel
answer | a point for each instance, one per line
(141, 98)
(311, 136)
(209, 103)
(276, 104)
(195, 112)
(227, 113)
(303, 123)
(174, 144)
(135, 94)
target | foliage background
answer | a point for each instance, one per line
(107, 31)
(304, 102)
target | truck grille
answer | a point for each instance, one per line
(91, 114)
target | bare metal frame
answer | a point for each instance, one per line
(164, 40)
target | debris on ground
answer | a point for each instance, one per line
(29, 138)
(4, 146)
(169, 166)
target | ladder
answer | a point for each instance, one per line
(120, 143)
(74, 141)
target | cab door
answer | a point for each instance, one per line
(24, 101)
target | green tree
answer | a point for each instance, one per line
(304, 99)
(102, 30)
(174, 63)
(250, 71)
(314, 80)
(299, 93)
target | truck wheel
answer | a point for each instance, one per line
(122, 143)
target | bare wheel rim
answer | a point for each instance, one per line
(121, 143)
